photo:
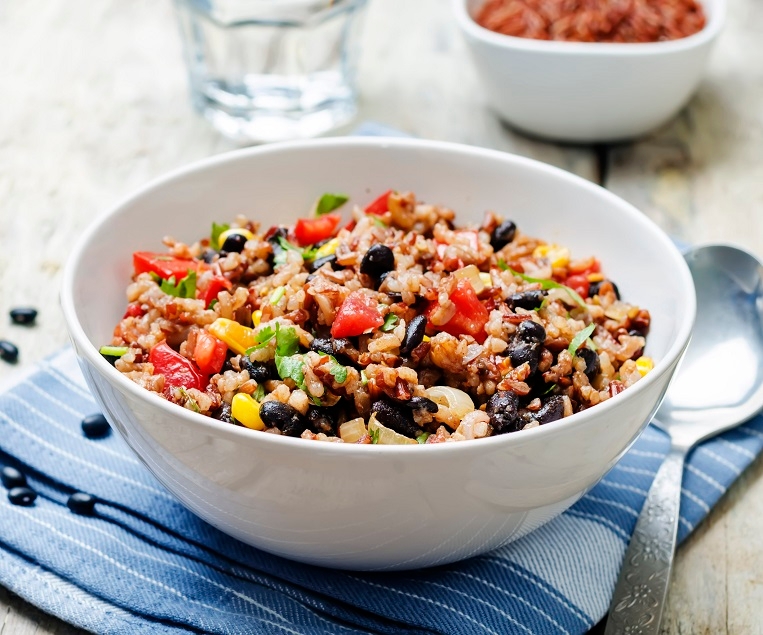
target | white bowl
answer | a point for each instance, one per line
(376, 507)
(586, 92)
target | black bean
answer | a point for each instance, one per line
(322, 345)
(552, 410)
(531, 331)
(9, 352)
(526, 300)
(95, 426)
(82, 504)
(418, 403)
(503, 410)
(234, 242)
(378, 260)
(23, 315)
(521, 352)
(503, 235)
(317, 264)
(414, 334)
(209, 256)
(595, 287)
(11, 478)
(345, 351)
(257, 371)
(321, 420)
(395, 417)
(223, 413)
(282, 416)
(22, 496)
(395, 297)
(592, 365)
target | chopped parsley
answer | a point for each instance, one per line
(329, 202)
(338, 371)
(378, 221)
(186, 288)
(214, 237)
(374, 434)
(422, 438)
(265, 334)
(259, 393)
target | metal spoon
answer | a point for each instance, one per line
(719, 385)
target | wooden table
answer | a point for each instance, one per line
(94, 104)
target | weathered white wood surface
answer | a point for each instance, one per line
(94, 104)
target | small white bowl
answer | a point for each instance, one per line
(373, 506)
(587, 92)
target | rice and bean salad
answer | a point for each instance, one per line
(399, 327)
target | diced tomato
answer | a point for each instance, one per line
(350, 226)
(134, 310)
(579, 284)
(313, 230)
(584, 267)
(163, 265)
(380, 205)
(470, 317)
(213, 287)
(177, 370)
(357, 314)
(209, 353)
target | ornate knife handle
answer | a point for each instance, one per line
(642, 587)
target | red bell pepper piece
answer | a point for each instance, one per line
(357, 314)
(308, 231)
(214, 286)
(380, 205)
(163, 265)
(134, 310)
(470, 317)
(579, 284)
(209, 353)
(177, 370)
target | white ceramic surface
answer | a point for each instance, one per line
(376, 507)
(587, 92)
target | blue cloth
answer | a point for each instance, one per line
(145, 564)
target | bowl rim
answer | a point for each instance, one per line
(83, 346)
(709, 32)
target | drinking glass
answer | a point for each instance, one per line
(270, 70)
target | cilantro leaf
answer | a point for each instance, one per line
(259, 393)
(287, 341)
(329, 202)
(546, 284)
(378, 221)
(374, 435)
(422, 438)
(214, 237)
(186, 288)
(265, 334)
(390, 322)
(292, 368)
(581, 337)
(338, 371)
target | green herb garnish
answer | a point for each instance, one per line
(113, 351)
(307, 253)
(422, 438)
(292, 368)
(389, 322)
(277, 294)
(363, 378)
(591, 344)
(186, 288)
(329, 202)
(374, 435)
(581, 337)
(338, 371)
(378, 221)
(214, 237)
(545, 284)
(265, 334)
(287, 341)
(548, 390)
(259, 393)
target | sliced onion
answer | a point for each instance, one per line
(472, 274)
(352, 430)
(385, 436)
(457, 401)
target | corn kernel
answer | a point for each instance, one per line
(257, 317)
(644, 365)
(230, 232)
(246, 411)
(595, 277)
(327, 249)
(486, 279)
(427, 338)
(557, 256)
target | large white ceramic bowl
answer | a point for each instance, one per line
(587, 92)
(370, 506)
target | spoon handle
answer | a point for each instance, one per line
(642, 587)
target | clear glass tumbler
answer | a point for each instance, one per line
(270, 70)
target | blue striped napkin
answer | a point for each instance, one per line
(143, 563)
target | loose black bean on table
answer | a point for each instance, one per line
(8, 351)
(82, 504)
(22, 496)
(95, 426)
(11, 477)
(23, 315)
